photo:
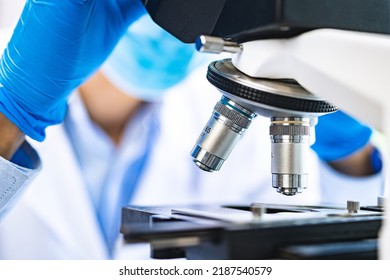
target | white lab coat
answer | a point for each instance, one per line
(55, 218)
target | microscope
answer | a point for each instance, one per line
(292, 61)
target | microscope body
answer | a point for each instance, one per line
(347, 68)
(321, 52)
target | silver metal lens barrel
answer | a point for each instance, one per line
(224, 129)
(290, 144)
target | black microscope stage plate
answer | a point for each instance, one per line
(228, 232)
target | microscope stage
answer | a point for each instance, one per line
(234, 232)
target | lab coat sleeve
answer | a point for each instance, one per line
(16, 174)
(338, 188)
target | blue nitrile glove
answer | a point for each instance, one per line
(339, 135)
(56, 45)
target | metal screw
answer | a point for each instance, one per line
(210, 44)
(381, 201)
(258, 211)
(353, 206)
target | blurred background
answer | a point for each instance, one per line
(9, 12)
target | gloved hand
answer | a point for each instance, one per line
(56, 45)
(339, 135)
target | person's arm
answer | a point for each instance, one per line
(350, 167)
(11, 137)
(344, 144)
(55, 46)
(357, 164)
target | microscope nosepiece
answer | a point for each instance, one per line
(293, 112)
(224, 129)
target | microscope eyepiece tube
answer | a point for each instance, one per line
(290, 145)
(224, 129)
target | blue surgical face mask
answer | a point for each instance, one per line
(148, 60)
